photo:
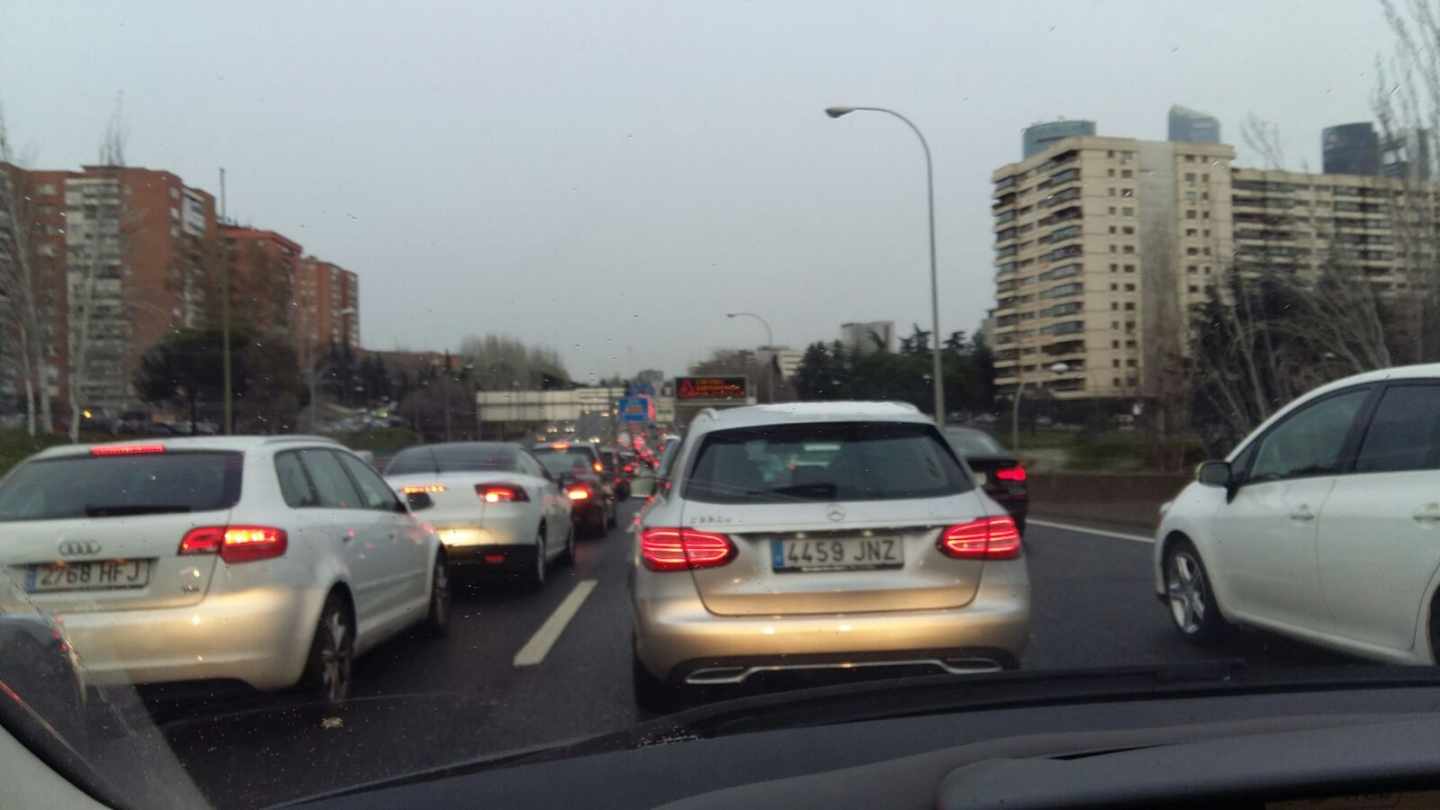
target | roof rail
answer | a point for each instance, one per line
(300, 437)
(708, 413)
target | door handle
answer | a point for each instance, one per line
(1302, 513)
(1427, 514)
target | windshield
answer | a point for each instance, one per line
(82, 486)
(973, 442)
(824, 461)
(566, 462)
(385, 385)
(447, 458)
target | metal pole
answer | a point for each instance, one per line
(225, 317)
(836, 112)
(769, 341)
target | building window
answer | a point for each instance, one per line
(1113, 248)
(1114, 344)
(1129, 344)
(1129, 305)
(1115, 363)
(1112, 191)
(1192, 269)
(1114, 324)
(1206, 251)
(1128, 211)
(1130, 363)
(1205, 195)
(1115, 305)
(1114, 268)
(1110, 173)
(1112, 210)
(1207, 232)
(1127, 173)
(1204, 214)
(1112, 229)
(1110, 153)
(1129, 249)
(1128, 229)
(1194, 289)
(1205, 178)
(1117, 382)
(1114, 286)
(1189, 177)
(1190, 159)
(1129, 268)
(1190, 213)
(1127, 192)
(1129, 288)
(1207, 269)
(1192, 251)
(1191, 232)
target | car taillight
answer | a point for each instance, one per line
(127, 450)
(663, 549)
(416, 489)
(580, 492)
(1016, 473)
(989, 538)
(501, 493)
(629, 468)
(235, 544)
(598, 467)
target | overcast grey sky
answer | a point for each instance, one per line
(610, 178)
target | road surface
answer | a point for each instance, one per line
(523, 668)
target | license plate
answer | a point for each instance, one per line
(101, 575)
(849, 554)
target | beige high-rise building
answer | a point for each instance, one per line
(1101, 244)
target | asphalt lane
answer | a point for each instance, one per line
(421, 702)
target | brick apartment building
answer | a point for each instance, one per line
(328, 312)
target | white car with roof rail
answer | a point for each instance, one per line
(815, 536)
(270, 560)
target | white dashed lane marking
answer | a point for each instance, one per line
(1070, 527)
(539, 644)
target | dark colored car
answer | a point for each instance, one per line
(582, 474)
(616, 472)
(998, 470)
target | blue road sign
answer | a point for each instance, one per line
(634, 409)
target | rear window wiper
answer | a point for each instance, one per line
(818, 489)
(122, 510)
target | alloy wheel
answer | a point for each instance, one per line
(1185, 587)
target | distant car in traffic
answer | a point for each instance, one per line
(616, 472)
(581, 473)
(492, 504)
(1320, 525)
(996, 469)
(264, 559)
(809, 536)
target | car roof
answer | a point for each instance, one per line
(233, 443)
(800, 412)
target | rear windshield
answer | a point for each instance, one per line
(836, 461)
(561, 462)
(443, 458)
(118, 486)
(973, 442)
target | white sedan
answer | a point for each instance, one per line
(492, 504)
(1323, 524)
(270, 560)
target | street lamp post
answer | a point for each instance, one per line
(769, 341)
(836, 112)
(1058, 368)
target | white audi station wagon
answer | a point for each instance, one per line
(269, 560)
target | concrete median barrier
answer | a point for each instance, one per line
(1130, 500)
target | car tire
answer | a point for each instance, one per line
(536, 577)
(614, 518)
(652, 695)
(437, 619)
(329, 671)
(568, 556)
(1189, 596)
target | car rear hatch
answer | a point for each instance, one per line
(460, 498)
(1001, 476)
(83, 532)
(832, 530)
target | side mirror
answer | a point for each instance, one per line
(419, 500)
(643, 485)
(1215, 474)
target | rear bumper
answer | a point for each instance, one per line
(495, 530)
(509, 558)
(676, 637)
(259, 636)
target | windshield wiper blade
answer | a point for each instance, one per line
(123, 510)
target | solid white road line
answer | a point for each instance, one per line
(539, 644)
(1070, 527)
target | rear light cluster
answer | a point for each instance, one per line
(663, 549)
(1015, 474)
(600, 468)
(416, 489)
(989, 538)
(502, 493)
(235, 544)
(578, 492)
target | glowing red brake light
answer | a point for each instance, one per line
(665, 549)
(501, 493)
(629, 468)
(578, 493)
(235, 544)
(989, 538)
(127, 450)
(1016, 473)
